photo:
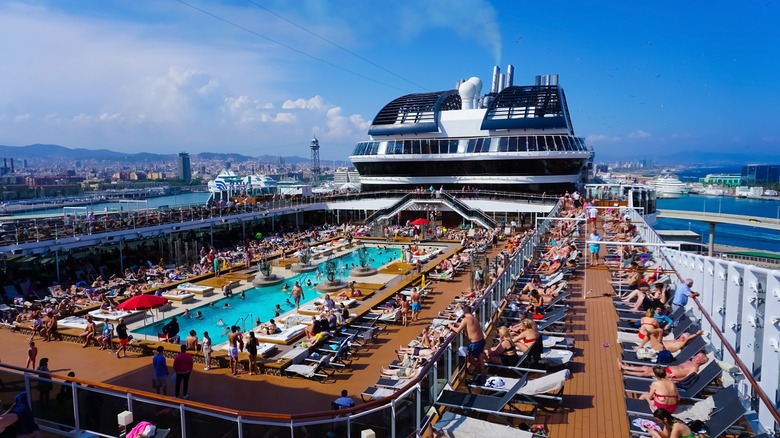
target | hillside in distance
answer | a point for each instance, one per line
(52, 152)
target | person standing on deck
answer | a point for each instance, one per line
(416, 306)
(682, 293)
(160, 379)
(206, 346)
(182, 366)
(593, 247)
(297, 294)
(476, 346)
(233, 350)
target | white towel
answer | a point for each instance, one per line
(549, 383)
(699, 411)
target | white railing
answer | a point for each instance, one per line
(739, 307)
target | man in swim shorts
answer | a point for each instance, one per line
(233, 350)
(416, 307)
(476, 342)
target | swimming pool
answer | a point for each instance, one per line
(260, 302)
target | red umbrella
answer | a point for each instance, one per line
(420, 221)
(143, 302)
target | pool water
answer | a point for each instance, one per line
(260, 302)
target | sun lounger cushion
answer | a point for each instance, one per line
(457, 426)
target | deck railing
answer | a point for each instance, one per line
(739, 307)
(79, 405)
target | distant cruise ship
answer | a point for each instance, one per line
(514, 138)
(669, 186)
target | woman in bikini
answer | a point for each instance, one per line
(649, 328)
(527, 337)
(505, 352)
(643, 299)
(663, 392)
(672, 426)
(535, 303)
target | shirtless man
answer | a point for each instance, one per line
(476, 341)
(674, 372)
(89, 332)
(50, 327)
(416, 306)
(233, 350)
(297, 294)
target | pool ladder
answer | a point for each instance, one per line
(243, 321)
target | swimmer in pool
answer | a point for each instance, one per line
(199, 315)
(220, 322)
(286, 287)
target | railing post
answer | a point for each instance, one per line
(75, 396)
(182, 421)
(418, 406)
(240, 427)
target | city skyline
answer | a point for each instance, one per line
(200, 76)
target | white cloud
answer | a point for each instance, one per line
(23, 117)
(315, 103)
(639, 134)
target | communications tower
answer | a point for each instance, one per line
(315, 161)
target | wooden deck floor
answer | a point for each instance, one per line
(593, 398)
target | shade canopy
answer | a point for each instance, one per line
(420, 221)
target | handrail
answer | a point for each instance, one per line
(243, 321)
(737, 361)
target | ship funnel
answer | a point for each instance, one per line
(554, 79)
(546, 80)
(538, 80)
(510, 75)
(501, 82)
(494, 84)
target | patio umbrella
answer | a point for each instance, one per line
(420, 221)
(143, 302)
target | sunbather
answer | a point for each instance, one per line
(405, 372)
(505, 352)
(674, 345)
(649, 328)
(641, 298)
(663, 392)
(674, 372)
(673, 427)
(526, 334)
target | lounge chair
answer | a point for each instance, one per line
(488, 404)
(373, 393)
(315, 370)
(545, 392)
(638, 385)
(530, 358)
(681, 356)
(726, 409)
(678, 329)
(460, 426)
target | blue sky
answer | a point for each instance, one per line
(641, 78)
